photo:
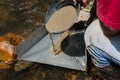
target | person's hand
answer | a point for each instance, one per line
(85, 2)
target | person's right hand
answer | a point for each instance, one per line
(85, 2)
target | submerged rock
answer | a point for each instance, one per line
(21, 65)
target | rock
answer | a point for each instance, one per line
(21, 65)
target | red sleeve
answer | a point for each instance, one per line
(108, 11)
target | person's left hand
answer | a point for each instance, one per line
(85, 2)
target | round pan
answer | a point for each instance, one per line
(61, 15)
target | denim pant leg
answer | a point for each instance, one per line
(98, 57)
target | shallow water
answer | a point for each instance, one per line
(23, 17)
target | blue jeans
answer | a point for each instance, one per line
(101, 58)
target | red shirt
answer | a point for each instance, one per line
(108, 11)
